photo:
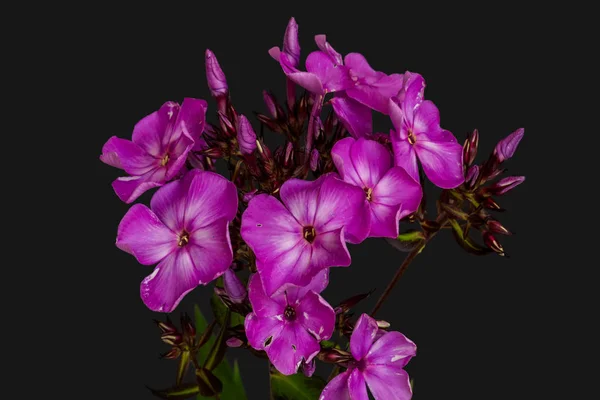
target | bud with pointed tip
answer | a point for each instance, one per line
(507, 147)
(171, 338)
(470, 148)
(289, 154)
(272, 105)
(217, 83)
(308, 369)
(188, 328)
(291, 44)
(171, 354)
(166, 327)
(491, 204)
(233, 287)
(472, 175)
(263, 150)
(505, 185)
(496, 227)
(245, 135)
(226, 124)
(234, 342)
(314, 159)
(491, 242)
(334, 356)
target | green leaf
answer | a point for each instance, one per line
(233, 388)
(217, 351)
(466, 242)
(407, 241)
(208, 382)
(295, 387)
(184, 362)
(220, 309)
(184, 391)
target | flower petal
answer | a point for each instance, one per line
(340, 154)
(128, 156)
(405, 155)
(377, 94)
(292, 294)
(441, 158)
(398, 119)
(149, 133)
(261, 331)
(397, 187)
(371, 161)
(332, 77)
(393, 350)
(426, 119)
(329, 250)
(337, 388)
(210, 250)
(307, 80)
(143, 235)
(342, 205)
(325, 47)
(356, 117)
(362, 336)
(293, 345)
(169, 203)
(262, 305)
(129, 188)
(301, 198)
(172, 279)
(384, 220)
(292, 267)
(412, 93)
(193, 115)
(359, 65)
(388, 384)
(357, 386)
(316, 316)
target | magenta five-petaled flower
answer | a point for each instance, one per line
(158, 149)
(295, 238)
(390, 193)
(185, 231)
(418, 135)
(379, 361)
(290, 324)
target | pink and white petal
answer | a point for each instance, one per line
(307, 80)
(275, 52)
(405, 156)
(171, 280)
(340, 154)
(193, 115)
(301, 198)
(384, 220)
(393, 350)
(325, 47)
(290, 347)
(412, 93)
(261, 331)
(129, 188)
(317, 284)
(316, 316)
(356, 117)
(262, 305)
(142, 234)
(210, 250)
(291, 267)
(169, 203)
(371, 161)
(148, 133)
(342, 205)
(175, 166)
(128, 156)
(388, 384)
(398, 187)
(332, 77)
(359, 65)
(426, 119)
(377, 94)
(292, 294)
(357, 386)
(337, 388)
(398, 120)
(210, 197)
(441, 160)
(329, 250)
(362, 336)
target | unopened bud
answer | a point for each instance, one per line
(217, 83)
(291, 45)
(308, 369)
(226, 124)
(245, 135)
(507, 147)
(470, 148)
(314, 159)
(263, 150)
(271, 103)
(318, 128)
(172, 339)
(234, 342)
(187, 326)
(491, 242)
(491, 204)
(334, 356)
(506, 184)
(213, 152)
(496, 227)
(166, 327)
(472, 175)
(171, 354)
(347, 304)
(233, 287)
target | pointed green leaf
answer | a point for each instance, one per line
(295, 387)
(220, 309)
(209, 384)
(466, 242)
(184, 362)
(217, 352)
(407, 241)
(184, 391)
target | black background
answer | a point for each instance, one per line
(485, 327)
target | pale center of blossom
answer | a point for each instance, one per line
(368, 193)
(289, 313)
(164, 160)
(411, 137)
(184, 238)
(309, 233)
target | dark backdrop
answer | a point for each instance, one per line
(478, 321)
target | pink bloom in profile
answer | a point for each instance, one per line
(390, 193)
(185, 231)
(295, 238)
(418, 135)
(290, 324)
(379, 359)
(158, 149)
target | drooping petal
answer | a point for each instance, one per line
(337, 388)
(377, 94)
(316, 316)
(426, 118)
(398, 120)
(388, 384)
(143, 235)
(357, 386)
(362, 336)
(288, 349)
(356, 117)
(393, 350)
(329, 250)
(332, 77)
(342, 205)
(172, 279)
(262, 305)
(149, 133)
(405, 155)
(397, 187)
(441, 158)
(128, 156)
(210, 250)
(129, 188)
(261, 331)
(307, 80)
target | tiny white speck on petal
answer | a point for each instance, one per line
(305, 315)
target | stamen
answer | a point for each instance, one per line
(184, 238)
(164, 160)
(309, 233)
(369, 193)
(411, 137)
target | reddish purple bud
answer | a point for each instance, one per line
(234, 342)
(289, 154)
(172, 354)
(248, 196)
(291, 45)
(470, 148)
(308, 369)
(496, 227)
(217, 83)
(264, 151)
(187, 326)
(233, 287)
(506, 184)
(166, 327)
(214, 152)
(472, 175)
(334, 356)
(245, 135)
(271, 104)
(491, 242)
(314, 160)
(172, 339)
(506, 148)
(491, 204)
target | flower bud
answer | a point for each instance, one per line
(491, 242)
(226, 124)
(234, 342)
(491, 204)
(264, 151)
(187, 326)
(308, 369)
(314, 159)
(291, 45)
(233, 287)
(217, 83)
(506, 148)
(496, 227)
(347, 304)
(271, 103)
(171, 354)
(506, 184)
(172, 339)
(472, 175)
(470, 148)
(334, 356)
(166, 327)
(289, 154)
(245, 135)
